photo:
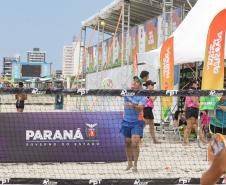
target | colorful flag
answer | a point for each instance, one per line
(167, 74)
(213, 69)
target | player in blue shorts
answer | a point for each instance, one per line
(133, 125)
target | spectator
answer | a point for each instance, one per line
(205, 121)
(20, 98)
(179, 119)
(144, 75)
(221, 117)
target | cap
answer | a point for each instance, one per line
(149, 82)
(138, 78)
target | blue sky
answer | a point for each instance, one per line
(47, 24)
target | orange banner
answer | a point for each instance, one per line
(167, 65)
(135, 62)
(167, 74)
(213, 70)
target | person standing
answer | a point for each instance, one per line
(20, 98)
(191, 108)
(148, 111)
(133, 125)
(144, 75)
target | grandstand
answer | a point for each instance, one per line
(122, 17)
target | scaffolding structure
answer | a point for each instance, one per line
(133, 13)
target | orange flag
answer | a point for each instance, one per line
(167, 74)
(213, 70)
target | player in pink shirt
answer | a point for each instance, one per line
(191, 108)
(148, 111)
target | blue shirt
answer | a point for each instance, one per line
(221, 116)
(130, 114)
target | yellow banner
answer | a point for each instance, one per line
(213, 69)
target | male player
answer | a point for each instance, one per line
(133, 125)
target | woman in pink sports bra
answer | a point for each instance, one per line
(191, 108)
(148, 111)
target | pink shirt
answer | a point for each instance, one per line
(190, 103)
(205, 119)
(149, 103)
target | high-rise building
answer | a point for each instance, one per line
(71, 59)
(36, 55)
(58, 74)
(67, 61)
(7, 65)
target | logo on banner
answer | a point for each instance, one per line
(82, 91)
(125, 93)
(95, 181)
(184, 180)
(36, 91)
(171, 92)
(49, 182)
(139, 182)
(80, 136)
(214, 54)
(4, 180)
(214, 93)
(91, 131)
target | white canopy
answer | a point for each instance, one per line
(190, 37)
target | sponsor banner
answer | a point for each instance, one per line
(127, 46)
(176, 18)
(141, 38)
(100, 55)
(61, 137)
(116, 51)
(213, 69)
(104, 54)
(134, 48)
(167, 74)
(109, 53)
(120, 49)
(98, 181)
(90, 61)
(95, 59)
(151, 34)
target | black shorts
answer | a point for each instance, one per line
(19, 104)
(192, 112)
(148, 114)
(219, 130)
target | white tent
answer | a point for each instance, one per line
(190, 37)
